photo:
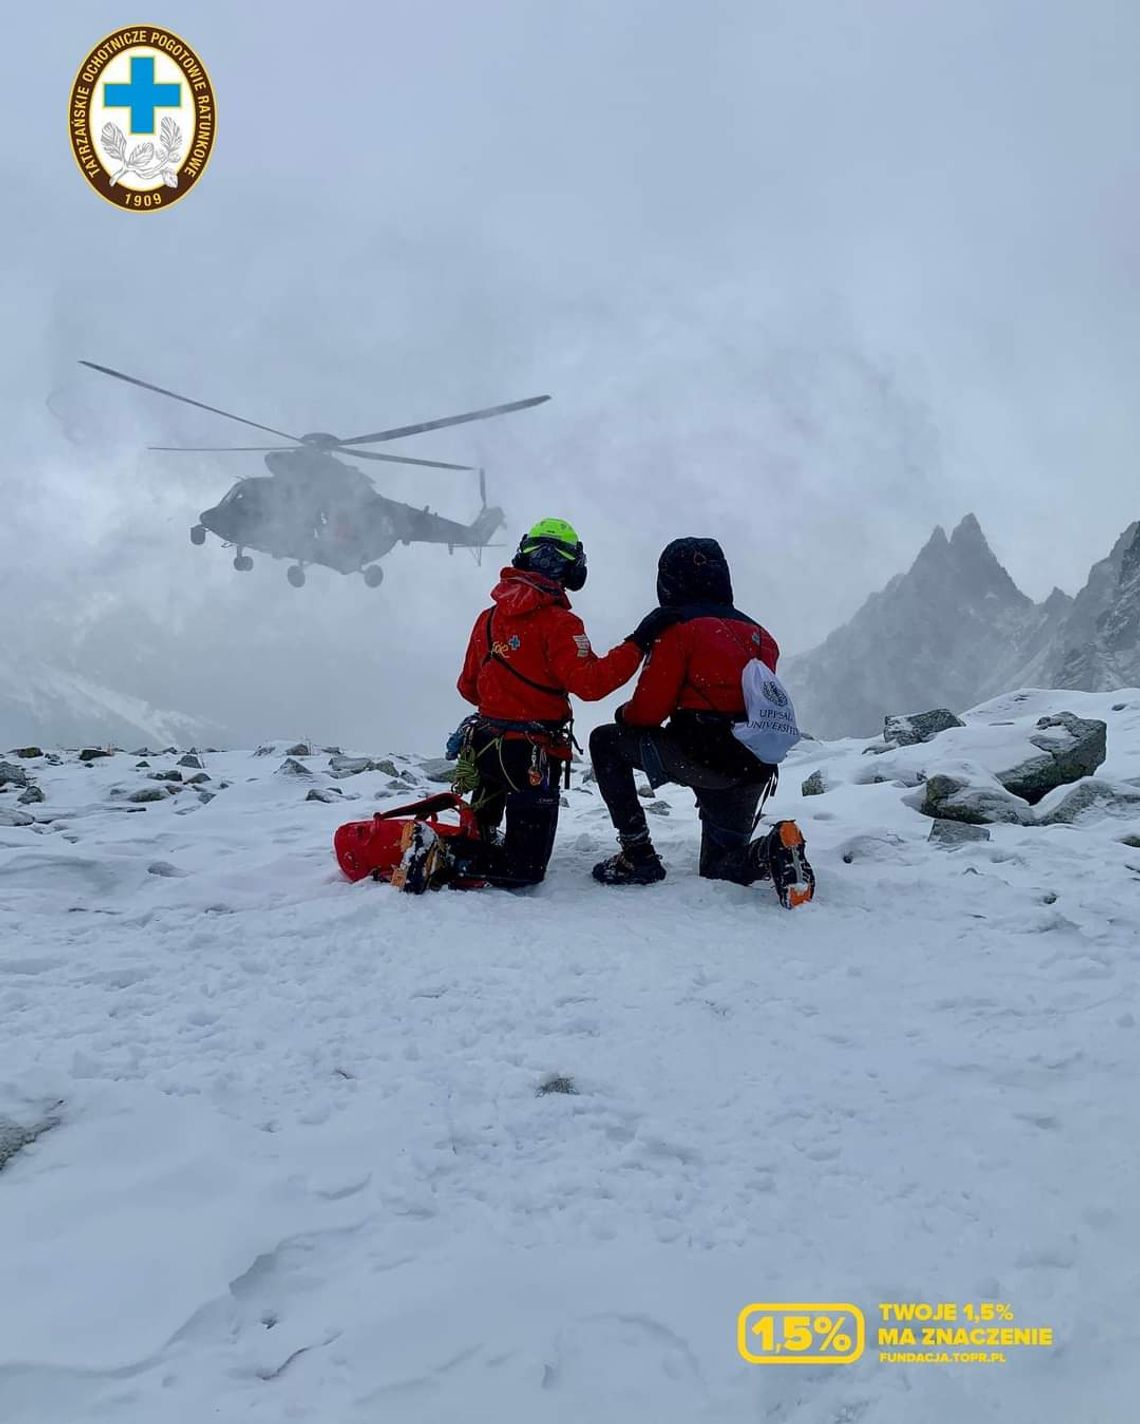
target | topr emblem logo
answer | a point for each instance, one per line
(775, 693)
(142, 118)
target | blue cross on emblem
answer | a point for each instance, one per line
(142, 95)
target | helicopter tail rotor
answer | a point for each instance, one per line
(487, 523)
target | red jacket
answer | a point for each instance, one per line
(696, 666)
(532, 630)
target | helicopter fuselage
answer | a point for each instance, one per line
(315, 509)
(276, 515)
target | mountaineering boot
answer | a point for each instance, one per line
(423, 860)
(635, 864)
(788, 867)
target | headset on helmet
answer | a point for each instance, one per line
(552, 548)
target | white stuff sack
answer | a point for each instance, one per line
(770, 731)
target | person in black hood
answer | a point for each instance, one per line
(693, 572)
(692, 680)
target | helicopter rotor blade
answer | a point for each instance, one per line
(222, 448)
(447, 420)
(482, 489)
(300, 449)
(401, 459)
(162, 391)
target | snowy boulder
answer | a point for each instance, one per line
(919, 726)
(905, 765)
(94, 753)
(439, 770)
(292, 767)
(978, 801)
(299, 749)
(557, 1083)
(151, 793)
(342, 766)
(191, 760)
(952, 833)
(15, 1136)
(198, 779)
(328, 794)
(27, 753)
(14, 817)
(30, 796)
(164, 776)
(12, 775)
(1087, 800)
(879, 845)
(814, 785)
(1068, 748)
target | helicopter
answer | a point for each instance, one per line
(314, 508)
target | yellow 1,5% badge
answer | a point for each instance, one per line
(800, 1333)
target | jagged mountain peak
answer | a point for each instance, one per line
(974, 557)
(955, 629)
(935, 548)
(969, 531)
(963, 567)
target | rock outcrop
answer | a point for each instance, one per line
(919, 726)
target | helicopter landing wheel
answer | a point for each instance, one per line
(373, 575)
(198, 534)
(243, 563)
(296, 575)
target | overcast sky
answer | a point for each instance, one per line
(809, 277)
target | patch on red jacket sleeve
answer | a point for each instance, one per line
(583, 645)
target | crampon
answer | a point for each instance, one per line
(788, 865)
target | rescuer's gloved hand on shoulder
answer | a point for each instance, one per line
(652, 626)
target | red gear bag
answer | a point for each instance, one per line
(374, 847)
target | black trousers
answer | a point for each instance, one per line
(518, 786)
(727, 798)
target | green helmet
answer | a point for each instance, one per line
(552, 548)
(560, 531)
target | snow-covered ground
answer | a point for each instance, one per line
(301, 1168)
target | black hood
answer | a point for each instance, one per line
(693, 571)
